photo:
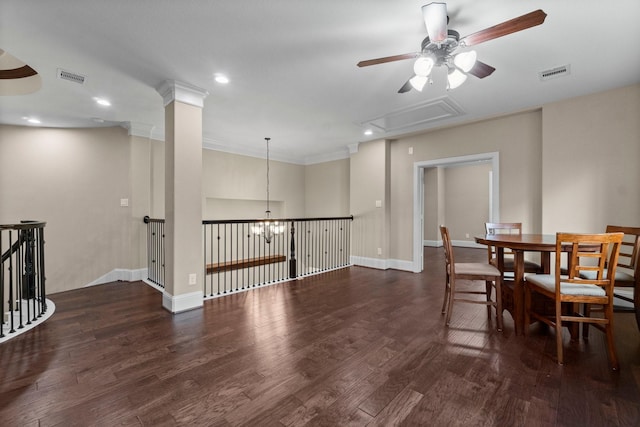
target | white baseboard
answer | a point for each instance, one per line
(4, 323)
(183, 302)
(467, 244)
(382, 264)
(461, 243)
(121, 274)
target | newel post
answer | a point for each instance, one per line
(292, 258)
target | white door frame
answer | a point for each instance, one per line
(418, 195)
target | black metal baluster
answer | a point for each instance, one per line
(292, 249)
(43, 277)
(218, 260)
(2, 287)
(162, 254)
(19, 278)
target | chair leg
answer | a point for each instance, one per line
(489, 286)
(586, 312)
(499, 302)
(527, 308)
(447, 294)
(559, 331)
(611, 346)
(452, 294)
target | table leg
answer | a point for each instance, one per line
(545, 258)
(518, 292)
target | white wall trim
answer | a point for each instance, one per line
(4, 323)
(400, 264)
(467, 244)
(382, 264)
(182, 302)
(172, 90)
(418, 192)
(120, 274)
(432, 243)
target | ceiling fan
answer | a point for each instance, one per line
(440, 48)
(16, 77)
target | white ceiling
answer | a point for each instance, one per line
(292, 65)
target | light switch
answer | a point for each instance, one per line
(378, 203)
(124, 202)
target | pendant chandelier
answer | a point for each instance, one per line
(268, 228)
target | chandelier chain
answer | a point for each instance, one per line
(268, 212)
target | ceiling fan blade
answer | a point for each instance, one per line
(388, 59)
(18, 73)
(481, 70)
(406, 87)
(435, 19)
(511, 26)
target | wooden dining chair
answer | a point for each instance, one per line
(509, 263)
(627, 278)
(588, 253)
(472, 271)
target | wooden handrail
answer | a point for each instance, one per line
(238, 264)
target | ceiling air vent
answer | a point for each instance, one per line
(564, 70)
(72, 77)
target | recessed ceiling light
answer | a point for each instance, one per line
(368, 132)
(102, 101)
(32, 120)
(221, 78)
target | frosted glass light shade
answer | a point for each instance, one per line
(423, 66)
(465, 60)
(456, 78)
(418, 82)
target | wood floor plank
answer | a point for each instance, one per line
(350, 347)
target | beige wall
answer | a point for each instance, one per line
(433, 203)
(73, 180)
(231, 176)
(591, 153)
(370, 183)
(516, 137)
(466, 200)
(140, 173)
(456, 196)
(327, 189)
(78, 177)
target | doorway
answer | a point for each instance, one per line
(418, 195)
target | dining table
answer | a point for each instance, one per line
(513, 287)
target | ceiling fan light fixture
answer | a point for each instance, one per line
(465, 60)
(435, 19)
(455, 78)
(423, 66)
(418, 82)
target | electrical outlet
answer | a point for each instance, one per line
(379, 251)
(192, 278)
(466, 235)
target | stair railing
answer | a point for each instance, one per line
(244, 254)
(22, 280)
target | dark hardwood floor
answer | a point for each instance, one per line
(352, 347)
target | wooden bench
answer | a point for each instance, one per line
(237, 264)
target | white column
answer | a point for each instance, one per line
(183, 196)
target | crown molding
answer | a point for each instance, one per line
(172, 90)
